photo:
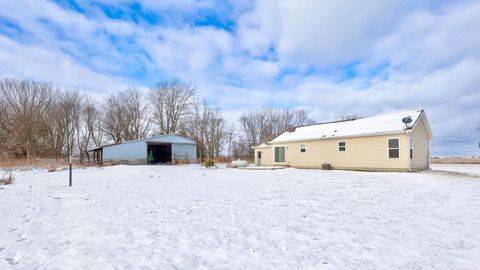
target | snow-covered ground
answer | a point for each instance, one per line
(188, 217)
(471, 169)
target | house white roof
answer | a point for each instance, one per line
(375, 125)
(263, 145)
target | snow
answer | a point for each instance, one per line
(189, 217)
(471, 169)
(379, 124)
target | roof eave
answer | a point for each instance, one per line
(402, 131)
(423, 117)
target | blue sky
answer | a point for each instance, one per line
(332, 58)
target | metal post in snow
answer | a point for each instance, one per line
(70, 170)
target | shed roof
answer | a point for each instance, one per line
(375, 125)
(165, 138)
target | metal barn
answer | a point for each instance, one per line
(162, 149)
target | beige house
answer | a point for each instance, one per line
(389, 142)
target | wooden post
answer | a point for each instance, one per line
(70, 170)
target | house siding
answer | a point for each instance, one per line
(267, 156)
(362, 153)
(421, 146)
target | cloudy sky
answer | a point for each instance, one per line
(330, 57)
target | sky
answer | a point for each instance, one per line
(330, 57)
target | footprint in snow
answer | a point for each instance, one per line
(22, 237)
(14, 260)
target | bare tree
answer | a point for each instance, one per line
(240, 147)
(113, 119)
(126, 116)
(230, 134)
(478, 129)
(63, 122)
(264, 124)
(171, 101)
(26, 103)
(5, 139)
(137, 124)
(89, 130)
(206, 126)
(350, 117)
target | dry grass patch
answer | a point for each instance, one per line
(7, 163)
(455, 160)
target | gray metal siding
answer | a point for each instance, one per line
(136, 151)
(128, 151)
(184, 151)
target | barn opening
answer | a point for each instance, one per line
(160, 152)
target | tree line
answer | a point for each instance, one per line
(39, 119)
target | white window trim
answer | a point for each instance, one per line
(300, 147)
(338, 146)
(399, 147)
(274, 154)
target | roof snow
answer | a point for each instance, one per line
(379, 124)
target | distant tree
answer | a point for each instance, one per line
(89, 130)
(240, 147)
(206, 126)
(5, 140)
(125, 116)
(113, 119)
(264, 124)
(137, 124)
(350, 117)
(25, 104)
(171, 102)
(478, 129)
(230, 134)
(63, 121)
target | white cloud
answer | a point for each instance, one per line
(29, 61)
(407, 55)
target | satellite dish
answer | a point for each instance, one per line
(407, 120)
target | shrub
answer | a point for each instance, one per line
(209, 163)
(6, 179)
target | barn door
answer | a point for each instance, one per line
(162, 153)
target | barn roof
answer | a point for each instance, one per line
(375, 125)
(165, 138)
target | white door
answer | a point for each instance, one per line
(259, 158)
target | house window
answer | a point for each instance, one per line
(393, 148)
(411, 148)
(280, 154)
(342, 146)
(303, 148)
